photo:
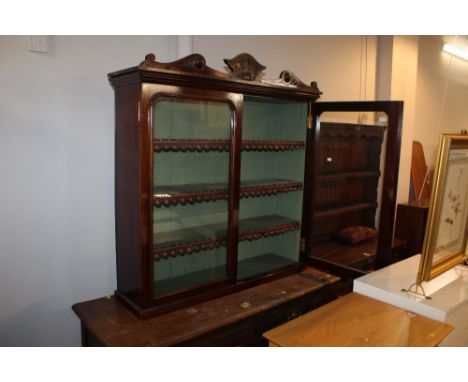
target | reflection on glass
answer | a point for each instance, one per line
(190, 177)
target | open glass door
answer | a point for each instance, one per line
(354, 176)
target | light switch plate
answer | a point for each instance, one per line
(38, 44)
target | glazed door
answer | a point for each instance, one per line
(193, 175)
(271, 185)
(354, 172)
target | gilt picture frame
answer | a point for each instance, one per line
(445, 241)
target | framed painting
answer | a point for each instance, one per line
(445, 242)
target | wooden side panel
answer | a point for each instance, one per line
(411, 219)
(390, 183)
(419, 175)
(127, 189)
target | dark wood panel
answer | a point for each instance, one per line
(411, 219)
(128, 227)
(336, 130)
(341, 176)
(346, 191)
(346, 147)
(345, 210)
(340, 155)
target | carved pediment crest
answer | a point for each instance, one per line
(245, 67)
(194, 63)
(241, 67)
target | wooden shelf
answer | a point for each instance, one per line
(347, 175)
(344, 210)
(205, 192)
(350, 130)
(272, 145)
(188, 280)
(261, 264)
(353, 256)
(195, 239)
(254, 266)
(201, 145)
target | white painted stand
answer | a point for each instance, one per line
(448, 292)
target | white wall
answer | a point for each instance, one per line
(434, 87)
(442, 93)
(57, 180)
(335, 62)
(403, 87)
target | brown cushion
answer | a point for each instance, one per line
(355, 235)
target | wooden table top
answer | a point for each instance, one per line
(114, 325)
(357, 320)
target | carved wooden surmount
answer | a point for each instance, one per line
(245, 67)
(243, 70)
(290, 78)
(192, 63)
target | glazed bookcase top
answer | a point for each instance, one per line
(223, 179)
(222, 182)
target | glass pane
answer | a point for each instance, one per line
(190, 177)
(348, 188)
(272, 177)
